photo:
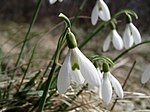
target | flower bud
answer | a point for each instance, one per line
(71, 40)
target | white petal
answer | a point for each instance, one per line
(52, 1)
(116, 85)
(91, 87)
(117, 40)
(106, 89)
(107, 42)
(100, 92)
(104, 14)
(64, 78)
(77, 76)
(146, 75)
(128, 37)
(87, 69)
(60, 0)
(99, 73)
(136, 34)
(94, 15)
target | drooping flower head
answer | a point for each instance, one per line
(53, 1)
(131, 34)
(146, 75)
(115, 38)
(100, 10)
(76, 67)
(108, 82)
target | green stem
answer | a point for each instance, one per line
(93, 34)
(43, 99)
(48, 82)
(126, 51)
(29, 30)
(125, 82)
(65, 18)
(80, 10)
(24, 75)
(26, 38)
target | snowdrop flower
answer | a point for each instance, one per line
(101, 77)
(116, 40)
(100, 10)
(146, 75)
(76, 67)
(92, 88)
(131, 34)
(108, 82)
(53, 1)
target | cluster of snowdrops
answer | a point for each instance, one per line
(78, 68)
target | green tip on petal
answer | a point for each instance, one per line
(71, 40)
(75, 66)
(106, 67)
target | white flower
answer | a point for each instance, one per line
(76, 67)
(116, 40)
(100, 10)
(131, 35)
(107, 82)
(101, 77)
(146, 75)
(53, 1)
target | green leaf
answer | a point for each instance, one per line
(31, 83)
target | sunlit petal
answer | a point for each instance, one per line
(60, 0)
(64, 78)
(104, 13)
(136, 34)
(128, 37)
(107, 41)
(94, 16)
(146, 75)
(117, 40)
(52, 1)
(100, 92)
(116, 85)
(88, 70)
(99, 73)
(77, 76)
(106, 89)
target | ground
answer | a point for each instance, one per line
(137, 96)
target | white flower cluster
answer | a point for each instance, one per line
(131, 34)
(77, 68)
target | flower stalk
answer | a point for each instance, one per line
(54, 65)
